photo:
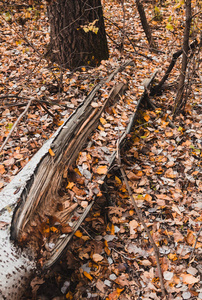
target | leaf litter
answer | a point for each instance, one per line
(110, 256)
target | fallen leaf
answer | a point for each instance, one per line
(189, 279)
(88, 275)
(168, 275)
(78, 233)
(51, 152)
(102, 170)
(97, 257)
(133, 225)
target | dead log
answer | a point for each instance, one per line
(31, 188)
(36, 188)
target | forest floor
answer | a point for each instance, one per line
(111, 257)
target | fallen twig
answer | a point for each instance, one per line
(16, 123)
(140, 217)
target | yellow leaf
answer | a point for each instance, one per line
(102, 170)
(69, 296)
(172, 256)
(88, 275)
(51, 152)
(117, 180)
(53, 229)
(70, 185)
(78, 233)
(103, 121)
(101, 128)
(169, 26)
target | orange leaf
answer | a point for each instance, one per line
(148, 198)
(88, 275)
(147, 118)
(115, 294)
(78, 233)
(51, 152)
(172, 256)
(102, 170)
(69, 296)
(2, 169)
(70, 185)
(169, 133)
(103, 121)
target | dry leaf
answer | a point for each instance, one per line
(88, 275)
(97, 257)
(51, 152)
(190, 238)
(102, 170)
(133, 225)
(78, 233)
(189, 279)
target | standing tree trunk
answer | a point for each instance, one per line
(179, 98)
(145, 24)
(77, 33)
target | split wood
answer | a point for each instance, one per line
(140, 217)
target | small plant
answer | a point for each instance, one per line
(157, 14)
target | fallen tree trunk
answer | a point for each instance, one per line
(32, 185)
(40, 190)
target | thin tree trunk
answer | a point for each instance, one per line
(77, 33)
(145, 24)
(185, 49)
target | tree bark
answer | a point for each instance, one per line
(77, 33)
(179, 98)
(145, 24)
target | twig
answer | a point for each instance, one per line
(192, 253)
(16, 123)
(126, 257)
(139, 214)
